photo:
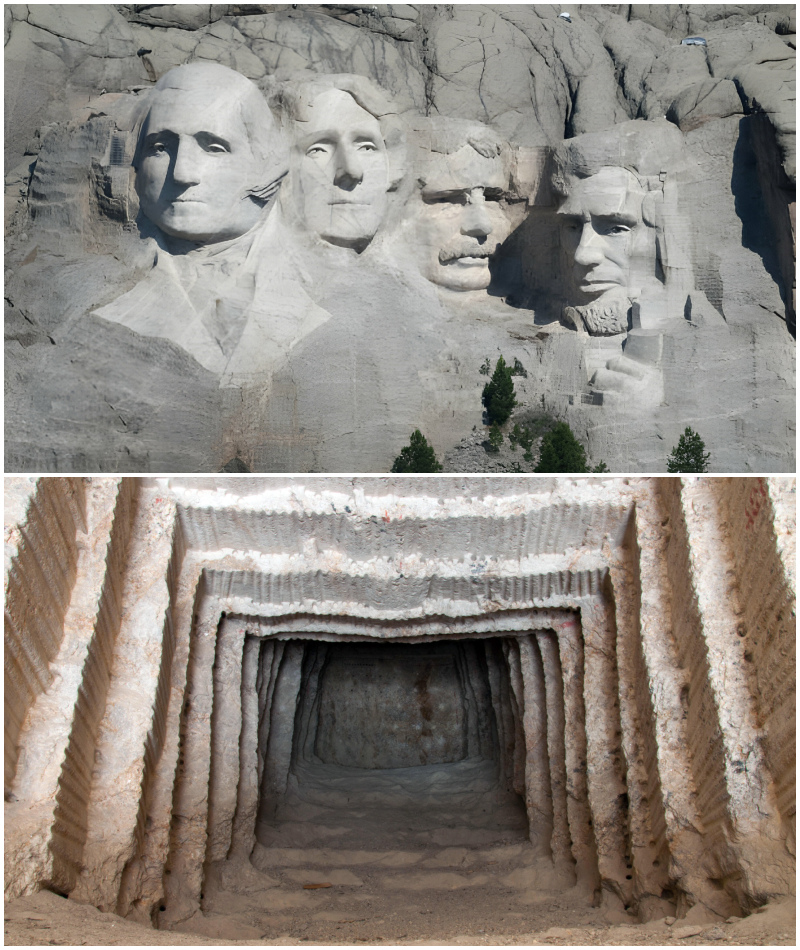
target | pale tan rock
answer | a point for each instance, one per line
(608, 605)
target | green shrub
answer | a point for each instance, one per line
(689, 455)
(418, 456)
(560, 451)
(495, 439)
(498, 396)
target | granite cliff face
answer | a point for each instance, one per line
(363, 332)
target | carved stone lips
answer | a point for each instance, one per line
(476, 254)
(598, 282)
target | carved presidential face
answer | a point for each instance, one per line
(341, 174)
(602, 231)
(196, 164)
(459, 220)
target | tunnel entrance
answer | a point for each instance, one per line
(391, 744)
(426, 779)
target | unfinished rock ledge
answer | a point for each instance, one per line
(206, 677)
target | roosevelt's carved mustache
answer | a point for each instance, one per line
(457, 251)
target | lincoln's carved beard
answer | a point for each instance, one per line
(606, 316)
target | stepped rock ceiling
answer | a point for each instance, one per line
(621, 646)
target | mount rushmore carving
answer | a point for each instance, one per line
(293, 274)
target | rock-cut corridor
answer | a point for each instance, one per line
(399, 709)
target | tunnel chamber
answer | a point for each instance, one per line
(392, 745)
(608, 651)
(411, 743)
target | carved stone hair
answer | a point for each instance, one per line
(437, 136)
(292, 98)
(643, 148)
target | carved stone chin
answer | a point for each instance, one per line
(605, 317)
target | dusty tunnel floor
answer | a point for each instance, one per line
(46, 919)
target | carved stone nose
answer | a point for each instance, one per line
(476, 221)
(588, 251)
(349, 171)
(184, 168)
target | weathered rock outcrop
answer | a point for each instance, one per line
(126, 351)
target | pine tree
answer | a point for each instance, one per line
(689, 455)
(560, 451)
(418, 456)
(499, 397)
(495, 438)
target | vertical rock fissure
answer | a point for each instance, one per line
(308, 719)
(226, 731)
(501, 706)
(189, 830)
(517, 691)
(54, 773)
(649, 848)
(142, 887)
(122, 762)
(753, 833)
(41, 567)
(281, 728)
(607, 792)
(668, 681)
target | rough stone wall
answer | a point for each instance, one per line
(755, 512)
(615, 690)
(41, 534)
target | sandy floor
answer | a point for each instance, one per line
(45, 919)
(443, 859)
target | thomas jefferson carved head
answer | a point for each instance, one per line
(457, 221)
(347, 156)
(209, 154)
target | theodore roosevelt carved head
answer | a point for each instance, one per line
(456, 219)
(347, 156)
(209, 154)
